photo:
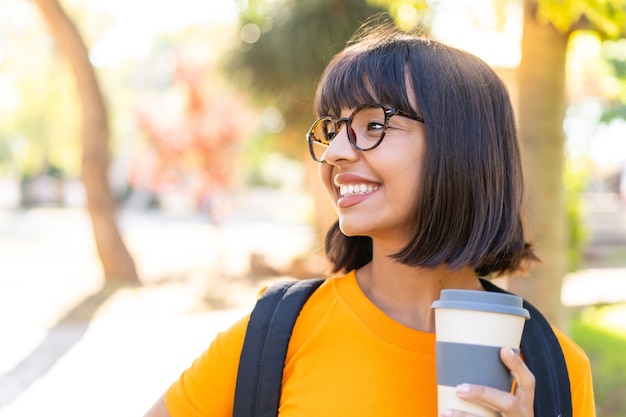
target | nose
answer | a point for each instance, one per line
(340, 148)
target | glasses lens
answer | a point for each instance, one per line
(368, 127)
(321, 135)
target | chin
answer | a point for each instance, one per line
(350, 229)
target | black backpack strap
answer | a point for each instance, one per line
(260, 374)
(544, 357)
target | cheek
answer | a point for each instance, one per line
(325, 175)
(408, 176)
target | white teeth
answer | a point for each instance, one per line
(352, 189)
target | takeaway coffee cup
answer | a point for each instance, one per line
(471, 327)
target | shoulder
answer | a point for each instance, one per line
(325, 302)
(579, 370)
(332, 289)
(578, 364)
(207, 387)
(225, 348)
(328, 286)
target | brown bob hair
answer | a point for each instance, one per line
(469, 207)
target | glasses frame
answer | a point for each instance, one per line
(388, 111)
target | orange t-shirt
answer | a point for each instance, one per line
(345, 358)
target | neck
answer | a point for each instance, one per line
(406, 293)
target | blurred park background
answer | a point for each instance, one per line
(154, 176)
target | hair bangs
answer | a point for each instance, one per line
(344, 86)
(353, 76)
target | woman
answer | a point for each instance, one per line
(417, 148)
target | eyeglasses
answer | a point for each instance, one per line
(366, 129)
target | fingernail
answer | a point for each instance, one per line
(507, 351)
(446, 413)
(463, 388)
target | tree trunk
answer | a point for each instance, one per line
(117, 263)
(542, 106)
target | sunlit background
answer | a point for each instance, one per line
(214, 194)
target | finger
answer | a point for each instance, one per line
(524, 379)
(446, 412)
(492, 398)
(518, 404)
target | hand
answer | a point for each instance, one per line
(519, 404)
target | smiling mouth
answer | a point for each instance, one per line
(355, 189)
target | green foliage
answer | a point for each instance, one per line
(408, 14)
(39, 109)
(608, 17)
(286, 44)
(5, 154)
(614, 54)
(575, 177)
(296, 42)
(43, 129)
(605, 347)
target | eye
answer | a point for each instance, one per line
(373, 126)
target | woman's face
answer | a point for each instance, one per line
(375, 192)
